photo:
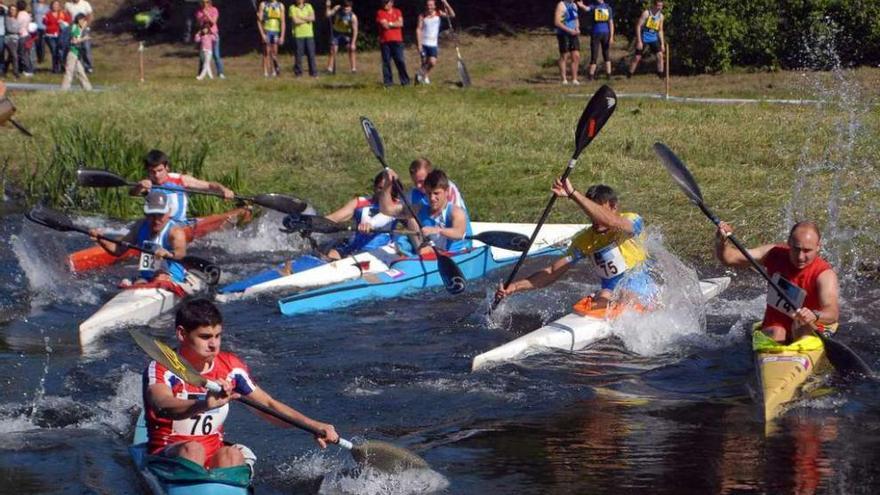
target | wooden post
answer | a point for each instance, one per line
(667, 69)
(141, 59)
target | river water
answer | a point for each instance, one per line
(674, 417)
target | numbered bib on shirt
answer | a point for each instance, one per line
(601, 15)
(148, 262)
(795, 293)
(653, 23)
(609, 262)
(206, 423)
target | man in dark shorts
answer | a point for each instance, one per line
(649, 37)
(601, 36)
(344, 23)
(568, 37)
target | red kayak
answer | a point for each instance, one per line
(96, 257)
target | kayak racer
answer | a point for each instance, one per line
(159, 173)
(366, 216)
(614, 243)
(156, 233)
(798, 269)
(185, 422)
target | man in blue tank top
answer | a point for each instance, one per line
(158, 234)
(649, 37)
(443, 223)
(568, 31)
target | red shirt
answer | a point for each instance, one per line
(53, 22)
(391, 35)
(778, 261)
(205, 428)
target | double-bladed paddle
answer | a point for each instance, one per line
(452, 277)
(57, 220)
(844, 359)
(278, 202)
(380, 455)
(597, 112)
(511, 241)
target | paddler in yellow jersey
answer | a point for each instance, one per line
(797, 268)
(614, 244)
(270, 21)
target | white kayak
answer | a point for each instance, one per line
(379, 260)
(572, 332)
(134, 306)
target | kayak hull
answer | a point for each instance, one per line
(782, 375)
(95, 257)
(403, 276)
(138, 452)
(133, 307)
(572, 332)
(375, 261)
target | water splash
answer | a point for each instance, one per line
(837, 181)
(49, 281)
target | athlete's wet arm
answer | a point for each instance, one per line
(543, 278)
(459, 225)
(600, 215)
(343, 214)
(193, 183)
(829, 292)
(178, 243)
(259, 396)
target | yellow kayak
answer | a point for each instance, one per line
(783, 369)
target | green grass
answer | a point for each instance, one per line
(502, 144)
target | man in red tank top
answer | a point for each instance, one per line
(797, 268)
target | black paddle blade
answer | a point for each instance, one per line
(312, 223)
(99, 178)
(21, 128)
(598, 111)
(212, 272)
(280, 202)
(451, 275)
(679, 172)
(844, 359)
(511, 241)
(373, 139)
(386, 457)
(463, 74)
(51, 218)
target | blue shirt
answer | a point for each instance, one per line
(602, 15)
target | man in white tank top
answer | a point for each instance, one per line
(427, 34)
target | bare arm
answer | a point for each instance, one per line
(611, 34)
(597, 213)
(662, 39)
(329, 11)
(729, 255)
(260, 20)
(178, 245)
(539, 279)
(343, 214)
(193, 183)
(447, 10)
(639, 26)
(354, 30)
(327, 434)
(558, 16)
(458, 229)
(387, 204)
(162, 399)
(114, 248)
(419, 27)
(829, 291)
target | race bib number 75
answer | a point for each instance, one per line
(609, 262)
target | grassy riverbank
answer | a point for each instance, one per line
(502, 141)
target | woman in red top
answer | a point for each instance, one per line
(796, 267)
(56, 21)
(390, 21)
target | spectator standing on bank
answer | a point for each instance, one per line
(568, 32)
(73, 64)
(302, 16)
(2, 37)
(271, 24)
(601, 37)
(344, 32)
(428, 36)
(649, 37)
(11, 40)
(83, 7)
(25, 43)
(390, 21)
(40, 8)
(56, 21)
(205, 39)
(208, 12)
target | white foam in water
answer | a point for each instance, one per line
(681, 311)
(261, 235)
(47, 279)
(373, 482)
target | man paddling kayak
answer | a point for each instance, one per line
(156, 233)
(614, 242)
(418, 172)
(365, 213)
(798, 269)
(185, 421)
(443, 223)
(159, 173)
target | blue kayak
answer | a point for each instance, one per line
(189, 478)
(403, 276)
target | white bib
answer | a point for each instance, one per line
(777, 302)
(205, 423)
(609, 262)
(148, 262)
